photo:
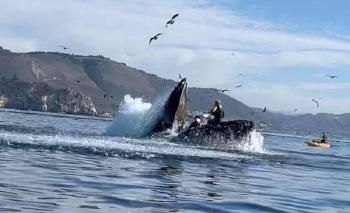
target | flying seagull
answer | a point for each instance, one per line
(332, 76)
(155, 37)
(239, 85)
(172, 21)
(63, 47)
(264, 110)
(222, 90)
(315, 102)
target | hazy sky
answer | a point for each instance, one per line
(284, 48)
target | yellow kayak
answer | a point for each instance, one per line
(319, 144)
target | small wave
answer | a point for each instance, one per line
(110, 146)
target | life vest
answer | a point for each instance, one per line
(218, 113)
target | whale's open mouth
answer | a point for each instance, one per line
(174, 114)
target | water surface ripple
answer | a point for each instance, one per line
(58, 164)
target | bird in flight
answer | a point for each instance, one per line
(240, 75)
(172, 21)
(239, 85)
(332, 76)
(63, 47)
(316, 102)
(264, 110)
(155, 37)
(222, 90)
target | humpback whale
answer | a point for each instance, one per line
(174, 115)
(174, 111)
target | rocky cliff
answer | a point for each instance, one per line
(40, 97)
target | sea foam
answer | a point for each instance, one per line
(135, 117)
(254, 142)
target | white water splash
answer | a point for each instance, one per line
(254, 142)
(135, 117)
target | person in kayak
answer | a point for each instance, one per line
(217, 112)
(324, 138)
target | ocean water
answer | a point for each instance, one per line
(68, 164)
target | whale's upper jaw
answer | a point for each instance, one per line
(174, 111)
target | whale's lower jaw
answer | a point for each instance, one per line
(225, 132)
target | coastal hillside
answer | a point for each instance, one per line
(95, 85)
(33, 80)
